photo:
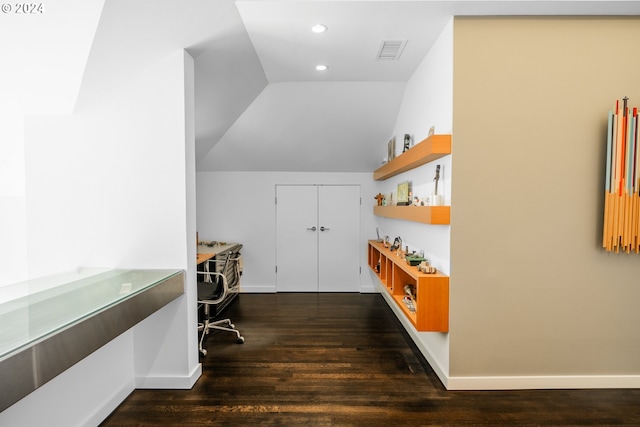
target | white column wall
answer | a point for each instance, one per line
(428, 101)
(109, 187)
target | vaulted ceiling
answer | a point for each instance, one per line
(261, 105)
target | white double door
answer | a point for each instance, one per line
(318, 238)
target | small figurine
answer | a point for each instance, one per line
(407, 142)
(426, 268)
(379, 198)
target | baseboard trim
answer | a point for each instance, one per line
(543, 382)
(369, 290)
(258, 289)
(177, 383)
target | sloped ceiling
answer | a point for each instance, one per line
(43, 55)
(305, 120)
(260, 104)
(131, 33)
(309, 126)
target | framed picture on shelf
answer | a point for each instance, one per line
(391, 149)
(403, 194)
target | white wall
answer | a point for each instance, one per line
(108, 187)
(428, 101)
(13, 219)
(42, 63)
(240, 207)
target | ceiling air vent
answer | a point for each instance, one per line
(391, 49)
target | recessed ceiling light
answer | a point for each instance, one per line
(319, 28)
(322, 67)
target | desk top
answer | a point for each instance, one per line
(206, 252)
(37, 308)
(204, 257)
(51, 323)
(218, 248)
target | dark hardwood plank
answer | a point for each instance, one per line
(344, 360)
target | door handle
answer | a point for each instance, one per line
(324, 228)
(312, 228)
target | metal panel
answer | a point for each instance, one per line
(30, 368)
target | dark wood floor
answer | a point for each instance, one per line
(344, 360)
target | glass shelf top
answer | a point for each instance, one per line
(35, 309)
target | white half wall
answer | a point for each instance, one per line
(83, 395)
(109, 187)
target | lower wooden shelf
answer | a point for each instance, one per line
(431, 291)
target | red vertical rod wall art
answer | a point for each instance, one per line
(621, 230)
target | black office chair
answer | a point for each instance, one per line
(217, 285)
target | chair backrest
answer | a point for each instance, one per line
(231, 267)
(222, 275)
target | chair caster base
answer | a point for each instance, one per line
(240, 340)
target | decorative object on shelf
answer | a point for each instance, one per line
(403, 194)
(378, 234)
(407, 142)
(379, 198)
(409, 303)
(391, 149)
(397, 243)
(414, 260)
(435, 199)
(409, 297)
(425, 267)
(410, 290)
(621, 226)
(432, 131)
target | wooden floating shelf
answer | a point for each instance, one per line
(437, 215)
(426, 151)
